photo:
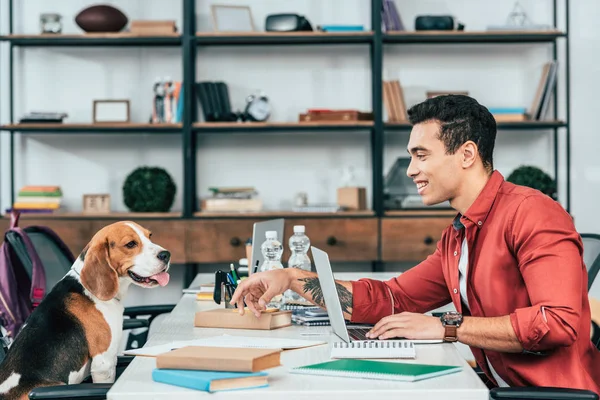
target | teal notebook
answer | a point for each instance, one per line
(210, 381)
(376, 370)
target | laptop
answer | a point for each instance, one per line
(348, 333)
(258, 237)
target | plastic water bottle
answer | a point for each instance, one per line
(299, 246)
(272, 250)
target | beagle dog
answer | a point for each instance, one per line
(76, 330)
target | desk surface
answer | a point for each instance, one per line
(136, 381)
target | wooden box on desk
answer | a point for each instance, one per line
(230, 318)
(352, 198)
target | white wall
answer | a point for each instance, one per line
(295, 78)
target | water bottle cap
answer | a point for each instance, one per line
(271, 234)
(299, 229)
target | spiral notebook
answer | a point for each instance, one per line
(374, 349)
(384, 370)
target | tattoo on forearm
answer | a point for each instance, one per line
(313, 286)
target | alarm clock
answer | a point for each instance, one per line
(258, 108)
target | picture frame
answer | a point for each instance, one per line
(228, 18)
(111, 111)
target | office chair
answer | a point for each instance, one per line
(58, 259)
(591, 258)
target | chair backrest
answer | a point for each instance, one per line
(54, 253)
(591, 255)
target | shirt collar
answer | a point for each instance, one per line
(480, 209)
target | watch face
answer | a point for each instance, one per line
(452, 318)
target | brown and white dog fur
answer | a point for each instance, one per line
(77, 328)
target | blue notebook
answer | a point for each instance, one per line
(210, 381)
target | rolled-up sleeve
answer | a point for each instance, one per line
(549, 252)
(420, 289)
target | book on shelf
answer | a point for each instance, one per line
(393, 99)
(231, 199)
(390, 18)
(541, 99)
(38, 199)
(509, 114)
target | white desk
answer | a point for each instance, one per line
(136, 381)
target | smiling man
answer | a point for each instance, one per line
(511, 263)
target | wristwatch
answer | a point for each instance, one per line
(451, 320)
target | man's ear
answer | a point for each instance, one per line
(97, 275)
(469, 154)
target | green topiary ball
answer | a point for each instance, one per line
(534, 177)
(149, 189)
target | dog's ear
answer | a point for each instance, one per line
(97, 275)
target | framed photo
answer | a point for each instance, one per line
(232, 18)
(111, 111)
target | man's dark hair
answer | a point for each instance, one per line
(462, 119)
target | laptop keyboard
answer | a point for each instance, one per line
(359, 333)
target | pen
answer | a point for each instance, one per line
(230, 279)
(233, 273)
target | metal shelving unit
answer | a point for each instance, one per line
(189, 40)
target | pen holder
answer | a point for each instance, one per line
(227, 294)
(223, 289)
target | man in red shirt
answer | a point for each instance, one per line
(511, 263)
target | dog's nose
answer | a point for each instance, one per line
(164, 256)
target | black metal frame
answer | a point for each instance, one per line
(376, 41)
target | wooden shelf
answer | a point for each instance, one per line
(93, 128)
(114, 215)
(279, 38)
(281, 126)
(517, 125)
(284, 214)
(441, 37)
(428, 212)
(93, 39)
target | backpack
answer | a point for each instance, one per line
(20, 292)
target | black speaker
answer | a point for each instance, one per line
(287, 23)
(436, 23)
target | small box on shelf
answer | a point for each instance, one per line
(352, 198)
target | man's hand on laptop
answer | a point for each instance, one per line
(258, 290)
(408, 325)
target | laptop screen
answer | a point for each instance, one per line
(330, 295)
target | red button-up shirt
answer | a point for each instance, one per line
(525, 260)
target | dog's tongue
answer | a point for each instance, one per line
(162, 278)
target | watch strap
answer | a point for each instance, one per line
(450, 334)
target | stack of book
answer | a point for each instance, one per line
(232, 199)
(38, 199)
(393, 99)
(214, 369)
(540, 105)
(311, 317)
